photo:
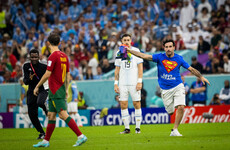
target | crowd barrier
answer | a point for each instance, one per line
(113, 117)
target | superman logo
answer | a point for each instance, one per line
(169, 65)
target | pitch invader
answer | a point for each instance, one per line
(169, 79)
(128, 73)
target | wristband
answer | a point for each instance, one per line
(115, 82)
(139, 80)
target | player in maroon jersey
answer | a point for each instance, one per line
(57, 74)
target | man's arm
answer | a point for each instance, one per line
(198, 90)
(116, 73)
(26, 76)
(197, 74)
(43, 79)
(139, 54)
(140, 75)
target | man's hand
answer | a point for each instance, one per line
(116, 88)
(203, 79)
(139, 86)
(36, 89)
(31, 76)
(128, 49)
(76, 100)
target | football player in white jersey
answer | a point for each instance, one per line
(128, 73)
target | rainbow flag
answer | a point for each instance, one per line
(123, 52)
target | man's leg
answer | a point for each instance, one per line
(136, 97)
(138, 115)
(179, 103)
(51, 125)
(179, 115)
(42, 96)
(125, 116)
(33, 114)
(72, 124)
(124, 95)
(49, 130)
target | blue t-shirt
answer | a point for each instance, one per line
(169, 70)
(200, 97)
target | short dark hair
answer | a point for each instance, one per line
(34, 51)
(125, 35)
(167, 41)
(54, 38)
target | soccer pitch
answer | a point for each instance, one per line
(195, 136)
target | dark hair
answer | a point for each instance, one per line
(215, 97)
(54, 38)
(125, 35)
(34, 51)
(167, 41)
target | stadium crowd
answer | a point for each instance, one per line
(90, 31)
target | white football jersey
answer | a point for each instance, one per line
(128, 74)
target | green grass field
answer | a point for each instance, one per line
(211, 136)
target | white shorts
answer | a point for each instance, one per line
(23, 109)
(126, 90)
(173, 97)
(72, 107)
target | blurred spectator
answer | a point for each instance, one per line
(16, 49)
(144, 40)
(19, 20)
(225, 93)
(74, 71)
(153, 11)
(88, 75)
(99, 74)
(204, 17)
(217, 66)
(92, 63)
(19, 36)
(226, 64)
(215, 100)
(14, 8)
(187, 13)
(179, 43)
(143, 96)
(187, 90)
(81, 101)
(106, 67)
(2, 19)
(203, 46)
(199, 93)
(160, 30)
(195, 64)
(204, 4)
(208, 66)
(117, 105)
(215, 39)
(226, 36)
(65, 15)
(189, 38)
(30, 17)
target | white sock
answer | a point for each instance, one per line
(78, 118)
(45, 141)
(125, 117)
(81, 136)
(138, 117)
